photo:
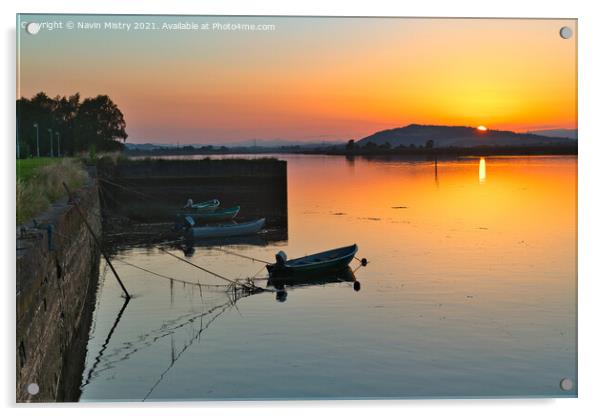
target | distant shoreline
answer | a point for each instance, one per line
(559, 150)
(460, 151)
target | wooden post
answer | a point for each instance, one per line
(127, 295)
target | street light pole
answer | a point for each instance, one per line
(51, 147)
(58, 137)
(18, 147)
(37, 138)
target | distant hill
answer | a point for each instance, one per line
(570, 133)
(457, 136)
(146, 146)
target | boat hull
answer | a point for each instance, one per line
(207, 206)
(229, 230)
(215, 216)
(315, 264)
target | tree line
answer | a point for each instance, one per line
(67, 125)
(352, 146)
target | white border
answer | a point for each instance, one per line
(590, 209)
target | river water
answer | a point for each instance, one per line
(470, 291)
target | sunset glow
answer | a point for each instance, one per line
(373, 207)
(313, 79)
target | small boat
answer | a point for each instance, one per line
(206, 206)
(226, 230)
(217, 215)
(326, 261)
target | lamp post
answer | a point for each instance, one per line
(51, 147)
(37, 138)
(58, 138)
(18, 148)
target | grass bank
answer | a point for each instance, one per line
(40, 183)
(26, 168)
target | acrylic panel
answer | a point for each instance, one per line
(278, 207)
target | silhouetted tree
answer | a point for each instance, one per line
(429, 144)
(350, 145)
(99, 122)
(37, 110)
(65, 112)
(95, 122)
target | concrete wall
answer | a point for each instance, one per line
(56, 286)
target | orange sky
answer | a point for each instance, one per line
(311, 79)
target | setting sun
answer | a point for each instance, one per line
(482, 128)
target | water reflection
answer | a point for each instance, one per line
(470, 291)
(482, 171)
(282, 283)
(105, 344)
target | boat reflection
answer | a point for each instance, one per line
(189, 246)
(282, 283)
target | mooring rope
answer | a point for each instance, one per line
(240, 255)
(168, 277)
(254, 277)
(144, 194)
(248, 287)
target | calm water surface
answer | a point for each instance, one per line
(470, 291)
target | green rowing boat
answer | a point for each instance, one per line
(215, 216)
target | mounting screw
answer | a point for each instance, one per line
(566, 32)
(566, 384)
(33, 388)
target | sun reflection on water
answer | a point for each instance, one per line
(482, 171)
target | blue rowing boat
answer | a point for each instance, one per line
(326, 261)
(226, 230)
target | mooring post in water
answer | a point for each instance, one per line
(81, 214)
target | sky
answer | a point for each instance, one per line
(308, 79)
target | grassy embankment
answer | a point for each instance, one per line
(40, 183)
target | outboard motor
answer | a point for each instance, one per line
(183, 221)
(187, 224)
(280, 258)
(188, 221)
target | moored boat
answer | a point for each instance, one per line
(226, 230)
(208, 216)
(326, 261)
(206, 206)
